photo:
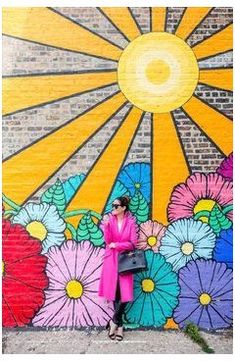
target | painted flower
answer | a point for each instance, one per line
(150, 235)
(155, 293)
(226, 167)
(43, 222)
(200, 192)
(206, 295)
(136, 176)
(72, 297)
(23, 275)
(186, 240)
(223, 251)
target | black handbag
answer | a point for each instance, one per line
(132, 261)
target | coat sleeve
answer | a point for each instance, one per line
(106, 232)
(127, 246)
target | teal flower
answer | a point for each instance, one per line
(155, 293)
(43, 222)
(186, 240)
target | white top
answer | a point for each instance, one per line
(119, 225)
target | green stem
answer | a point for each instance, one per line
(81, 211)
(202, 214)
(10, 211)
(72, 230)
(227, 209)
(10, 203)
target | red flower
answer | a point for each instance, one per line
(24, 277)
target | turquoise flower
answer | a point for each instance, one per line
(186, 240)
(155, 293)
(43, 222)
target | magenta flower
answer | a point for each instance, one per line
(150, 235)
(226, 167)
(72, 297)
(200, 192)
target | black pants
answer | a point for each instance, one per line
(118, 307)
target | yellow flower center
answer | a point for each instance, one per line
(187, 248)
(37, 229)
(137, 185)
(205, 299)
(3, 268)
(152, 241)
(148, 285)
(74, 289)
(204, 205)
(157, 71)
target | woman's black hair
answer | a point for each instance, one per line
(124, 200)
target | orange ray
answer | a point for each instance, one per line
(219, 78)
(158, 19)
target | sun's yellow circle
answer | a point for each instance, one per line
(187, 248)
(74, 289)
(205, 299)
(148, 285)
(158, 72)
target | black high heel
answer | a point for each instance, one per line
(112, 335)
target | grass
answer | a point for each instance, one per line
(192, 331)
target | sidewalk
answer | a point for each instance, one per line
(97, 342)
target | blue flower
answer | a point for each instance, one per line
(155, 293)
(43, 222)
(136, 176)
(223, 251)
(71, 186)
(186, 240)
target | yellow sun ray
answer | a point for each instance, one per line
(123, 20)
(43, 25)
(158, 19)
(100, 180)
(191, 18)
(218, 43)
(219, 78)
(215, 125)
(30, 91)
(38, 162)
(169, 166)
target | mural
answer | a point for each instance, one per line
(53, 249)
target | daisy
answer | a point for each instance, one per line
(150, 235)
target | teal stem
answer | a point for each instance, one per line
(10, 211)
(81, 211)
(227, 209)
(72, 230)
(202, 214)
(10, 203)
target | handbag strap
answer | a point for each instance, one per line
(132, 245)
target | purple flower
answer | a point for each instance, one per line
(226, 168)
(206, 295)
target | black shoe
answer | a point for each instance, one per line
(112, 335)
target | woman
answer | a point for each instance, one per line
(120, 233)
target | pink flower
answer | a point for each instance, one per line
(226, 167)
(150, 235)
(72, 297)
(200, 192)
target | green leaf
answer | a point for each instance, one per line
(218, 220)
(55, 195)
(88, 230)
(139, 207)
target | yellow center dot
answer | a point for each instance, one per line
(205, 299)
(3, 268)
(148, 285)
(152, 241)
(157, 71)
(37, 230)
(204, 205)
(74, 289)
(137, 185)
(187, 248)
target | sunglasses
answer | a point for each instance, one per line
(116, 206)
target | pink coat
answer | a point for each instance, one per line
(109, 271)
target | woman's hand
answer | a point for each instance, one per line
(112, 245)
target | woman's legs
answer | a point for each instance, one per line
(118, 307)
